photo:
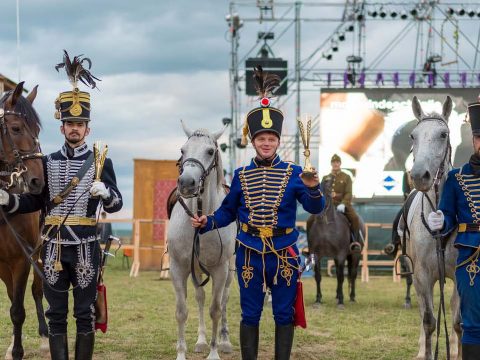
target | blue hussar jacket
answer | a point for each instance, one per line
(460, 203)
(266, 197)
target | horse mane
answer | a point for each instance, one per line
(23, 106)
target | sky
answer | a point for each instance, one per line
(161, 61)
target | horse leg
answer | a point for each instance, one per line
(353, 261)
(37, 292)
(456, 332)
(224, 343)
(219, 278)
(6, 276)
(408, 299)
(318, 280)
(340, 266)
(424, 288)
(17, 310)
(179, 281)
(201, 344)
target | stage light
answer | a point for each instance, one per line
(471, 13)
(238, 143)
(373, 13)
(461, 11)
(393, 14)
(403, 15)
(414, 12)
(360, 17)
(350, 28)
(226, 121)
(434, 58)
(354, 59)
(327, 55)
(383, 13)
(223, 147)
(478, 13)
(450, 11)
(341, 36)
(334, 46)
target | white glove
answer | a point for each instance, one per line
(99, 189)
(4, 197)
(341, 208)
(435, 220)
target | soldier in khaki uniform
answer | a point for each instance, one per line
(342, 199)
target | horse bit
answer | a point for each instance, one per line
(18, 165)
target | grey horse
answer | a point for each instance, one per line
(201, 162)
(431, 151)
(328, 234)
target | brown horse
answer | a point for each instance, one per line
(21, 170)
(328, 235)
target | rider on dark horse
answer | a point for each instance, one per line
(264, 197)
(459, 209)
(342, 199)
(71, 253)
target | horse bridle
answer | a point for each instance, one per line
(205, 172)
(17, 168)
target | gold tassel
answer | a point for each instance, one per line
(244, 134)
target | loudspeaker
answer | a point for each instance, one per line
(272, 66)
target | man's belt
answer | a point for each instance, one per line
(71, 220)
(265, 231)
(468, 227)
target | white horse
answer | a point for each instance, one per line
(431, 153)
(201, 177)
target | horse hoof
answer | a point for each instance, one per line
(341, 307)
(225, 347)
(317, 305)
(213, 355)
(44, 346)
(407, 306)
(353, 300)
(201, 347)
(181, 356)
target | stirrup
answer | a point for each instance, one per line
(408, 264)
(356, 247)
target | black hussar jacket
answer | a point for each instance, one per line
(59, 168)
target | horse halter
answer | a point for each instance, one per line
(205, 172)
(17, 167)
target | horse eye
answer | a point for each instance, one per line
(15, 129)
(210, 152)
(412, 137)
(443, 135)
(181, 150)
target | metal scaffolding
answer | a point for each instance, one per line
(441, 54)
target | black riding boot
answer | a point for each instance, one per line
(249, 342)
(283, 341)
(470, 351)
(84, 346)
(58, 346)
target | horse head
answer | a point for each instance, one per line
(20, 155)
(199, 157)
(430, 145)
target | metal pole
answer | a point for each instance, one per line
(297, 77)
(233, 94)
(18, 41)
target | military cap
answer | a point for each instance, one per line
(335, 157)
(474, 117)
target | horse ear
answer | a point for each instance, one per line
(417, 109)
(13, 98)
(33, 94)
(186, 130)
(217, 134)
(447, 108)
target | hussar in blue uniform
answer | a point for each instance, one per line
(70, 199)
(263, 197)
(460, 209)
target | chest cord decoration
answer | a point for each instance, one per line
(470, 184)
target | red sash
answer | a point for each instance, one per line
(299, 318)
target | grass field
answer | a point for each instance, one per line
(142, 322)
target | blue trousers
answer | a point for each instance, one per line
(280, 276)
(469, 297)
